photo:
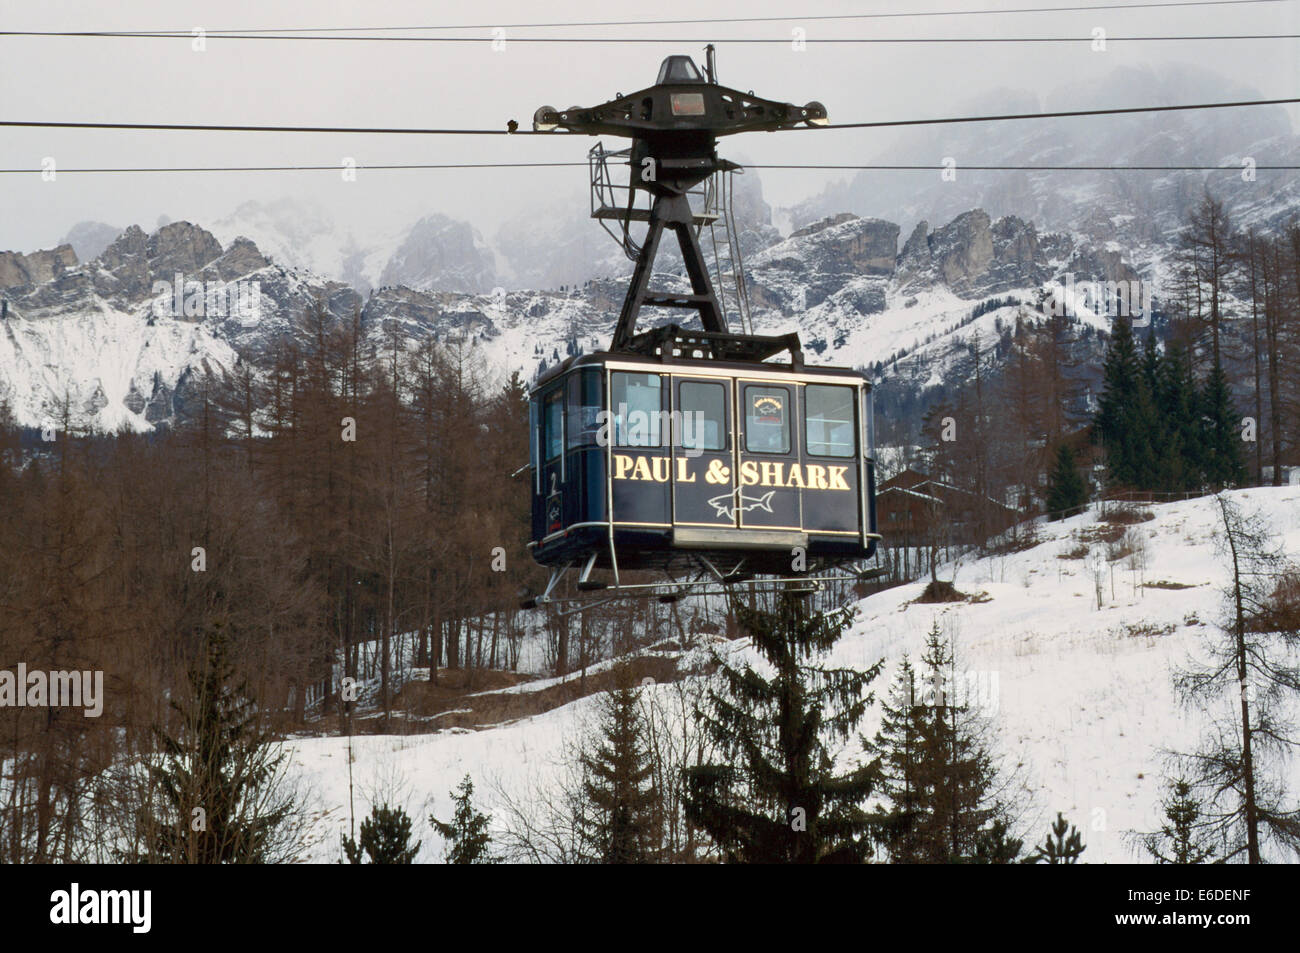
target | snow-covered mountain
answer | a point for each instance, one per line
(90, 332)
(1080, 693)
(893, 290)
(441, 254)
(435, 252)
(1129, 207)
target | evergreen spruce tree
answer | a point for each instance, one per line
(956, 773)
(1063, 845)
(467, 831)
(1181, 839)
(219, 777)
(1221, 435)
(1178, 407)
(938, 774)
(995, 845)
(1126, 415)
(1164, 429)
(619, 811)
(778, 799)
(1067, 493)
(898, 743)
(1151, 362)
(385, 838)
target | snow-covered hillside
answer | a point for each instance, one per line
(1081, 696)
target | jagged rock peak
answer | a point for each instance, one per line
(18, 269)
(963, 249)
(182, 246)
(822, 224)
(842, 243)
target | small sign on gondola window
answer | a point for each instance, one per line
(768, 409)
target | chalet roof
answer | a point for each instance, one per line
(906, 492)
(906, 479)
(913, 481)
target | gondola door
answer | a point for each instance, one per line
(704, 469)
(641, 455)
(767, 495)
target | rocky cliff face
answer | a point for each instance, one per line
(978, 258)
(440, 253)
(842, 256)
(18, 270)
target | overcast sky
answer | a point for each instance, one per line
(469, 85)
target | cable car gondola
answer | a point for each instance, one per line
(686, 450)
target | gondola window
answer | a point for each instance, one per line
(583, 424)
(637, 403)
(767, 419)
(553, 422)
(703, 416)
(828, 413)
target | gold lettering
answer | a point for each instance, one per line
(837, 478)
(816, 477)
(772, 472)
(622, 464)
(718, 472)
(683, 475)
(642, 470)
(796, 476)
(748, 473)
(660, 472)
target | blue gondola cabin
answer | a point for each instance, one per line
(650, 464)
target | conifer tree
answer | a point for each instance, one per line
(956, 773)
(778, 799)
(467, 832)
(1164, 429)
(898, 743)
(1221, 441)
(1066, 491)
(1181, 838)
(385, 838)
(1063, 845)
(1177, 405)
(995, 845)
(618, 820)
(219, 776)
(1126, 417)
(939, 776)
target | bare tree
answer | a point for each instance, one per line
(1252, 658)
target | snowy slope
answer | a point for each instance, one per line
(1084, 700)
(108, 363)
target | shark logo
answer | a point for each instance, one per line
(727, 504)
